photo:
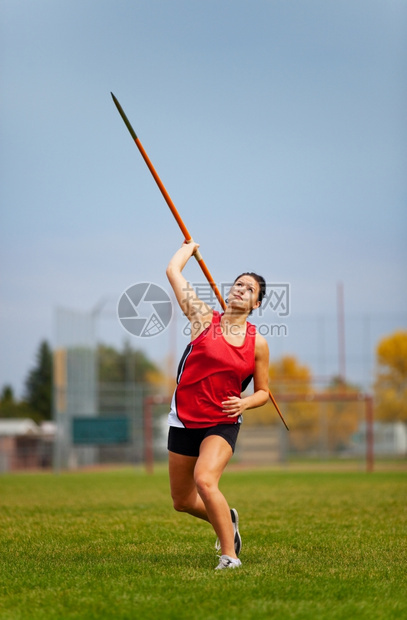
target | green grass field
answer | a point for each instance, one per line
(109, 545)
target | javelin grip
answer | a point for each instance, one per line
(197, 253)
(208, 276)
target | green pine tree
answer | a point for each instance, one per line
(38, 386)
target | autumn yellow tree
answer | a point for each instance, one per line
(341, 417)
(286, 376)
(391, 378)
(320, 425)
(291, 378)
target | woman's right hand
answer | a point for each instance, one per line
(196, 310)
(192, 246)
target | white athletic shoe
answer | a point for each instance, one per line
(227, 562)
(238, 538)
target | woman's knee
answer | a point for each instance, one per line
(182, 504)
(206, 484)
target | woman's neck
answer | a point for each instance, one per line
(235, 318)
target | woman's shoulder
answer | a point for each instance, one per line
(261, 345)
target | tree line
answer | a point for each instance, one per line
(287, 375)
(113, 366)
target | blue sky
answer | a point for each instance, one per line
(278, 128)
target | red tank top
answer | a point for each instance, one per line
(210, 370)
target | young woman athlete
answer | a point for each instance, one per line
(224, 354)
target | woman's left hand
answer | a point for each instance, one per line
(233, 406)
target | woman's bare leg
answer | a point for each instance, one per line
(214, 455)
(184, 493)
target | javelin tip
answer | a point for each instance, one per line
(124, 117)
(117, 104)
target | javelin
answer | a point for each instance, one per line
(179, 221)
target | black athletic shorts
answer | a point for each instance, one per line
(187, 441)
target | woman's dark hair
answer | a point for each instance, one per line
(260, 281)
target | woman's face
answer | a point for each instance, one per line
(244, 293)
